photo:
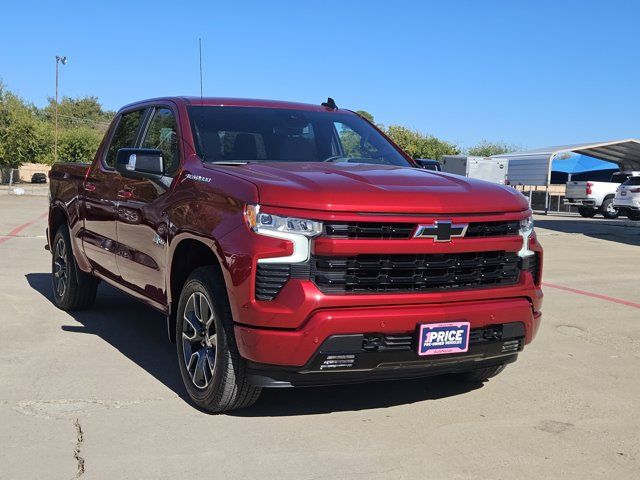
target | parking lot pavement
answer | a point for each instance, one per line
(100, 390)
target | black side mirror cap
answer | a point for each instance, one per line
(140, 162)
(428, 164)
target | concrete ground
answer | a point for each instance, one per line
(97, 394)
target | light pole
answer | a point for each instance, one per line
(59, 60)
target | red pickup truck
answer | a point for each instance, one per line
(292, 245)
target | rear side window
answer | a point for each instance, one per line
(633, 181)
(162, 135)
(124, 136)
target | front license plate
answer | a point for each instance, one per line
(623, 193)
(439, 338)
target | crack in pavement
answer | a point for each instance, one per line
(76, 450)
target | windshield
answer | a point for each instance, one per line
(252, 134)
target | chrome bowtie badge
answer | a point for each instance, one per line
(442, 230)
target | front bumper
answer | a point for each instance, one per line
(358, 358)
(296, 348)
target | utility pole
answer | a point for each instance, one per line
(59, 60)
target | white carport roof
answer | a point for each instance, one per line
(533, 167)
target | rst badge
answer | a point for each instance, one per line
(439, 338)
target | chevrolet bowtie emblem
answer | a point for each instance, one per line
(441, 231)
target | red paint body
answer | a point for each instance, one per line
(114, 220)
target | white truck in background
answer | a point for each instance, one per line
(481, 168)
(592, 198)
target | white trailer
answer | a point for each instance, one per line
(481, 168)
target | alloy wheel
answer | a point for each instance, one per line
(199, 340)
(60, 268)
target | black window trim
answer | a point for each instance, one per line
(143, 120)
(146, 123)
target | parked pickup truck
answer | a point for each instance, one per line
(292, 245)
(596, 197)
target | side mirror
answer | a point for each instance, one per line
(428, 164)
(140, 162)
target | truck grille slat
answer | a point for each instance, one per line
(414, 273)
(388, 231)
(270, 278)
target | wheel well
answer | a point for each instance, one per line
(611, 195)
(56, 219)
(189, 255)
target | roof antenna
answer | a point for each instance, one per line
(200, 51)
(330, 103)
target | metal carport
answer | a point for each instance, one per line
(533, 167)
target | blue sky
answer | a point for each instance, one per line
(533, 73)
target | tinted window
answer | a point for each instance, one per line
(224, 134)
(633, 181)
(124, 136)
(162, 134)
(619, 177)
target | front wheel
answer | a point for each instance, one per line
(608, 210)
(212, 369)
(72, 288)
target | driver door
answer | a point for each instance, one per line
(142, 221)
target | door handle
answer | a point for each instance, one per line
(126, 194)
(90, 187)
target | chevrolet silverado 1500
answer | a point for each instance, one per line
(291, 244)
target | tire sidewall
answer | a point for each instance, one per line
(197, 284)
(62, 301)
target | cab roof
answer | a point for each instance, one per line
(235, 102)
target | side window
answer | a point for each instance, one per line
(353, 144)
(162, 134)
(124, 136)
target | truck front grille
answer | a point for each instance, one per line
(414, 273)
(388, 231)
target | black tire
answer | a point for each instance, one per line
(608, 210)
(481, 374)
(206, 333)
(72, 288)
(587, 212)
(633, 215)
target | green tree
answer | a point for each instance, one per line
(24, 137)
(78, 144)
(365, 114)
(486, 149)
(418, 145)
(79, 112)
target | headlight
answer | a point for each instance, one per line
(260, 222)
(296, 230)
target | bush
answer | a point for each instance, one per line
(78, 145)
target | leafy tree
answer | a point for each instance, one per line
(24, 137)
(418, 145)
(365, 114)
(78, 145)
(79, 112)
(486, 149)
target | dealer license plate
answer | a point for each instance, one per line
(440, 338)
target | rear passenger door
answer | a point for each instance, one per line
(142, 222)
(102, 186)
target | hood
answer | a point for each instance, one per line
(352, 187)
